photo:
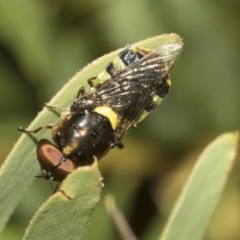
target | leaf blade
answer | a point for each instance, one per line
(65, 215)
(202, 191)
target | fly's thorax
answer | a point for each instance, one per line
(83, 135)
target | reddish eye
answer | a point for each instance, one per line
(49, 156)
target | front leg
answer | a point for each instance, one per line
(54, 108)
(45, 126)
(48, 176)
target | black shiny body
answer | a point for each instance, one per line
(82, 135)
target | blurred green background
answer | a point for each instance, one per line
(44, 43)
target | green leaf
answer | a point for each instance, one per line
(20, 167)
(65, 215)
(202, 191)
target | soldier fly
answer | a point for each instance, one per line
(123, 94)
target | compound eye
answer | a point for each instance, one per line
(49, 156)
(94, 134)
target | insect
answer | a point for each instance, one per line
(122, 95)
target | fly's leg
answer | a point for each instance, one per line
(45, 126)
(48, 176)
(91, 81)
(54, 108)
(81, 92)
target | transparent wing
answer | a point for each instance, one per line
(169, 53)
(129, 91)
